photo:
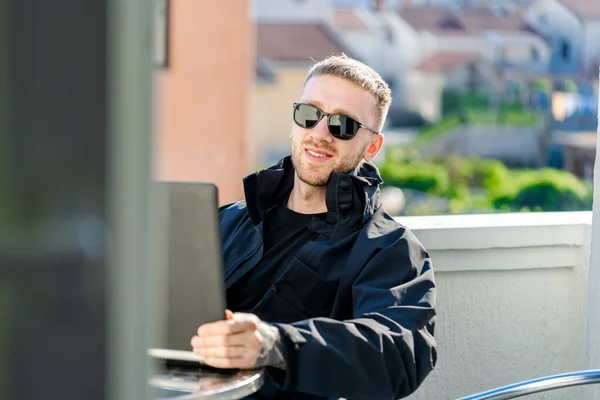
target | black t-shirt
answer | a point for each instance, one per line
(285, 232)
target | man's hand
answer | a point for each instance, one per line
(241, 341)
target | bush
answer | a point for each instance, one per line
(542, 85)
(544, 190)
(457, 102)
(473, 171)
(475, 100)
(570, 86)
(471, 183)
(451, 102)
(517, 118)
(421, 176)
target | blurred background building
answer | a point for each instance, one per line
(203, 93)
(505, 82)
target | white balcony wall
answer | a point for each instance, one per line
(512, 293)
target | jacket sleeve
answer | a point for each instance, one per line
(387, 349)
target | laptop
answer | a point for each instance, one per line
(193, 277)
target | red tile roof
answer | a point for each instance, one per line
(444, 60)
(480, 20)
(584, 9)
(425, 18)
(348, 19)
(296, 42)
(474, 22)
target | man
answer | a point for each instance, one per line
(328, 292)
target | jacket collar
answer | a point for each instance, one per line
(351, 198)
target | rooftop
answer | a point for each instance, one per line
(441, 21)
(584, 9)
(348, 20)
(296, 42)
(444, 61)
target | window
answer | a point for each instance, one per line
(161, 33)
(535, 54)
(565, 49)
(543, 19)
(389, 34)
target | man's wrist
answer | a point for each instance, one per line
(272, 347)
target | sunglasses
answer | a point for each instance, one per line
(340, 126)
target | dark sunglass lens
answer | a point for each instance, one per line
(342, 127)
(306, 116)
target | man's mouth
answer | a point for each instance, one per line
(317, 155)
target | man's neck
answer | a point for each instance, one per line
(306, 199)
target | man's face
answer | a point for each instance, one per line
(315, 153)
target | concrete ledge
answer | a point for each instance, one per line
(483, 231)
(504, 241)
(511, 301)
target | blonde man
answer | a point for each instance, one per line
(328, 292)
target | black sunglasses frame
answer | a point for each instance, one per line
(358, 125)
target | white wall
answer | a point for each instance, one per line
(370, 44)
(409, 48)
(517, 48)
(593, 338)
(591, 45)
(553, 19)
(463, 43)
(367, 45)
(518, 51)
(511, 303)
(458, 77)
(291, 10)
(424, 93)
(424, 89)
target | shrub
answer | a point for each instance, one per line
(451, 102)
(544, 190)
(473, 171)
(421, 176)
(471, 183)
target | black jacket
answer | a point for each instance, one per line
(364, 334)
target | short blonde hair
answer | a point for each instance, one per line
(359, 73)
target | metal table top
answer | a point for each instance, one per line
(182, 384)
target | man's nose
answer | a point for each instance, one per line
(321, 131)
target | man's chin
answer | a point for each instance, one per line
(315, 180)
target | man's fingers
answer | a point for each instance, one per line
(246, 338)
(221, 352)
(228, 327)
(233, 343)
(228, 363)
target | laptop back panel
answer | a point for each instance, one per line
(195, 288)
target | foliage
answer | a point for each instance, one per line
(422, 176)
(570, 86)
(457, 102)
(471, 184)
(474, 109)
(545, 190)
(543, 85)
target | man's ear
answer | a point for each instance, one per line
(374, 148)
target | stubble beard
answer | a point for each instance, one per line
(320, 179)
